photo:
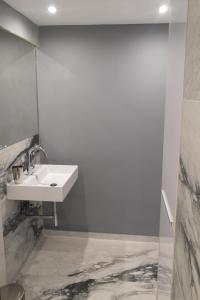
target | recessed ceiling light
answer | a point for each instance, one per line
(52, 9)
(163, 9)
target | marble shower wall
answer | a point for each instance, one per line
(171, 145)
(187, 243)
(18, 233)
(186, 284)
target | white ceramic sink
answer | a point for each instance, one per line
(37, 187)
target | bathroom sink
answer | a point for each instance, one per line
(49, 183)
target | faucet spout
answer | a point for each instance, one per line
(31, 154)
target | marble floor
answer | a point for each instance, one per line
(93, 267)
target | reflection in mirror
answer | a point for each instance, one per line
(18, 94)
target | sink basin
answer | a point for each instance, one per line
(50, 183)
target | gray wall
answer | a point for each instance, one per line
(17, 24)
(101, 100)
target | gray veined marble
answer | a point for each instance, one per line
(80, 268)
(187, 240)
(15, 221)
(18, 233)
(88, 289)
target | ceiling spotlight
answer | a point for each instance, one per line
(163, 9)
(52, 9)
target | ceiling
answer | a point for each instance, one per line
(88, 12)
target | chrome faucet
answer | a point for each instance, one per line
(31, 153)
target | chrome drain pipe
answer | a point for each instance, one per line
(55, 215)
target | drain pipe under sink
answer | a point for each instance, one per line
(54, 205)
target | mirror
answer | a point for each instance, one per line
(18, 89)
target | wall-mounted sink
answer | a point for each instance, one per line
(49, 183)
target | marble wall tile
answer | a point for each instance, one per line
(8, 156)
(190, 143)
(187, 237)
(18, 245)
(187, 252)
(17, 234)
(186, 277)
(192, 74)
